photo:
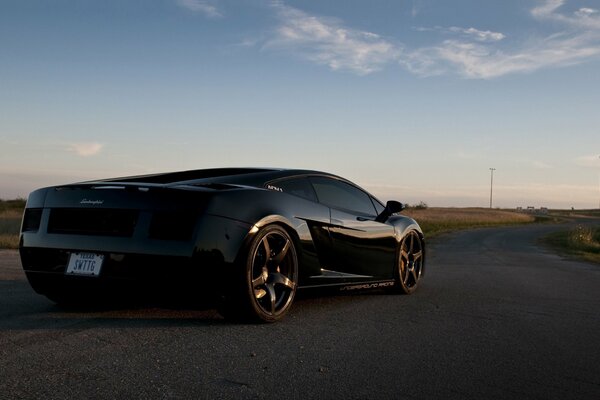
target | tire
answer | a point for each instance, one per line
(267, 276)
(410, 262)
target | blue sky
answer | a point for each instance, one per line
(413, 99)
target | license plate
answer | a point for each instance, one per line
(87, 264)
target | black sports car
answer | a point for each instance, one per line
(249, 237)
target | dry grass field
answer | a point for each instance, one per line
(435, 220)
(10, 222)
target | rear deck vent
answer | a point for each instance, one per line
(100, 222)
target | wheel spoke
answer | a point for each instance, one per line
(272, 296)
(280, 279)
(278, 258)
(417, 255)
(267, 247)
(418, 271)
(413, 272)
(405, 273)
(404, 254)
(259, 293)
(259, 281)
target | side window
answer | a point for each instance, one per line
(378, 206)
(340, 194)
(300, 187)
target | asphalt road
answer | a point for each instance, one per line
(496, 317)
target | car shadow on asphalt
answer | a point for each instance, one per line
(23, 309)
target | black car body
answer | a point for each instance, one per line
(250, 236)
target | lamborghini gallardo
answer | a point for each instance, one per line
(250, 237)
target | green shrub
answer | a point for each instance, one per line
(582, 242)
(585, 238)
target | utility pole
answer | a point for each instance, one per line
(491, 184)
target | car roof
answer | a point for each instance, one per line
(241, 176)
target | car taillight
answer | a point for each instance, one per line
(32, 219)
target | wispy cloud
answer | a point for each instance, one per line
(471, 33)
(473, 53)
(480, 57)
(480, 36)
(583, 18)
(206, 7)
(85, 149)
(546, 8)
(475, 60)
(327, 41)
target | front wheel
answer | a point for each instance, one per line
(410, 262)
(269, 272)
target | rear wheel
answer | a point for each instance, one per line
(410, 262)
(269, 272)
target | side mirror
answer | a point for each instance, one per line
(391, 207)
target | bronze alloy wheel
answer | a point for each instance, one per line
(410, 262)
(272, 271)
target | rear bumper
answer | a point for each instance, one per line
(45, 270)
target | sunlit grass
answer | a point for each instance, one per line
(582, 242)
(12, 205)
(9, 241)
(434, 221)
(11, 212)
(9, 225)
